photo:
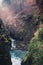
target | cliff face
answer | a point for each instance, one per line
(24, 30)
(22, 26)
(5, 46)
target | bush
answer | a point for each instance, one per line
(36, 52)
(40, 36)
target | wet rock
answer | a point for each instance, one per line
(27, 62)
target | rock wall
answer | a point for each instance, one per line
(22, 25)
(24, 30)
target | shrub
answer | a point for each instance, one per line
(36, 52)
(40, 35)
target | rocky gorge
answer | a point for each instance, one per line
(22, 27)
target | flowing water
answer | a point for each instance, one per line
(16, 55)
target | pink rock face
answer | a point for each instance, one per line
(12, 18)
(8, 14)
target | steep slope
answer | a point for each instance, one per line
(35, 49)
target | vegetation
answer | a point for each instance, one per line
(5, 45)
(36, 49)
(4, 33)
(40, 35)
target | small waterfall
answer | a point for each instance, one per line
(13, 44)
(16, 55)
(15, 60)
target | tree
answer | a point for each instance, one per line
(36, 52)
(5, 45)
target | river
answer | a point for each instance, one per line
(16, 55)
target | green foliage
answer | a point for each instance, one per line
(35, 50)
(41, 17)
(4, 33)
(40, 35)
